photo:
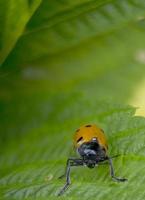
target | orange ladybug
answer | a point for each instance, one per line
(91, 145)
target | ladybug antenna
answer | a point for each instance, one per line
(116, 156)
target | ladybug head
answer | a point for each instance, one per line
(91, 151)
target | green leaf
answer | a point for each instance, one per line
(14, 15)
(83, 26)
(30, 167)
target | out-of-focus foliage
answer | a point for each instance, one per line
(67, 63)
(14, 15)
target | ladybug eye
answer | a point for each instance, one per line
(79, 139)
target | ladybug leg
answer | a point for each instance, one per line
(70, 162)
(62, 176)
(113, 174)
(73, 162)
(67, 166)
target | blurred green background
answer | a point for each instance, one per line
(64, 64)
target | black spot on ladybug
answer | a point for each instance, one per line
(102, 130)
(77, 130)
(88, 125)
(79, 139)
